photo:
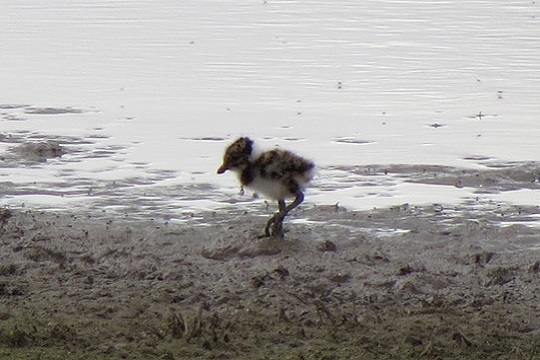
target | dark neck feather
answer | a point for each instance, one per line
(247, 175)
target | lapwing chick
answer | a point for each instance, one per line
(277, 174)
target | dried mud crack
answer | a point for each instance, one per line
(405, 282)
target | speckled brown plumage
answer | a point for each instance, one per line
(277, 174)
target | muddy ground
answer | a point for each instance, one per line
(409, 282)
(126, 277)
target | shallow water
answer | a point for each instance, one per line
(145, 95)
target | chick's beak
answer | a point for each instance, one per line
(222, 169)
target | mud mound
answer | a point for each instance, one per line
(40, 151)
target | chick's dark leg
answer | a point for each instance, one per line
(277, 230)
(272, 220)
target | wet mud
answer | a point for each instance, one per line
(407, 282)
(128, 277)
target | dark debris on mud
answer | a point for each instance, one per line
(406, 282)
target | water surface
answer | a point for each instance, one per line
(158, 88)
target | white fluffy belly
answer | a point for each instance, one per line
(271, 189)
